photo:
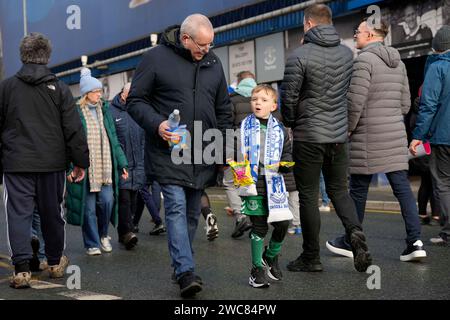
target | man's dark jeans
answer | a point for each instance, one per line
(440, 171)
(359, 187)
(332, 159)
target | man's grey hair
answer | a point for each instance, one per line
(35, 48)
(194, 22)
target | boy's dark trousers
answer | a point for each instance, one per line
(332, 159)
(23, 192)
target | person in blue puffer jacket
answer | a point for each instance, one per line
(132, 140)
(433, 124)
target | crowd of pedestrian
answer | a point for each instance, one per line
(335, 122)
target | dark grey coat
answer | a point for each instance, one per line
(314, 88)
(378, 98)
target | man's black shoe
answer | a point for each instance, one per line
(361, 256)
(302, 265)
(271, 264)
(242, 225)
(174, 278)
(189, 285)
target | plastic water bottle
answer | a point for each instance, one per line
(174, 119)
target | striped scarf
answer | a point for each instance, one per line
(100, 165)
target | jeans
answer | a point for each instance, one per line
(359, 187)
(182, 207)
(37, 233)
(97, 214)
(332, 159)
(440, 171)
(323, 191)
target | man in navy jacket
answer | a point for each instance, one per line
(181, 73)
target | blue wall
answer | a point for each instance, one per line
(104, 23)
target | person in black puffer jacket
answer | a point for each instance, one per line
(132, 139)
(181, 73)
(314, 105)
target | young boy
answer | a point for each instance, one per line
(265, 143)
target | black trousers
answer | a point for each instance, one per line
(127, 208)
(260, 228)
(332, 159)
(23, 192)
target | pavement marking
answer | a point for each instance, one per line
(40, 285)
(86, 295)
(383, 211)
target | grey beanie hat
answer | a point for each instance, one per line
(441, 41)
(35, 48)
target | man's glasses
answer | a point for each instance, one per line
(202, 48)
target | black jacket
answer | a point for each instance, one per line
(40, 127)
(314, 88)
(168, 78)
(132, 141)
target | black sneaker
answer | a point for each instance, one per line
(34, 261)
(258, 278)
(189, 285)
(130, 240)
(174, 278)
(413, 252)
(272, 267)
(303, 265)
(361, 256)
(340, 247)
(158, 229)
(242, 225)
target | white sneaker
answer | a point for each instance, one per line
(212, 231)
(291, 230)
(93, 252)
(106, 244)
(323, 208)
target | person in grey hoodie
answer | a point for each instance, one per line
(378, 98)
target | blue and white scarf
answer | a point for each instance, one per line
(277, 196)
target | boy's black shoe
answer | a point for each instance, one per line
(258, 278)
(273, 269)
(303, 265)
(361, 256)
(189, 285)
(34, 261)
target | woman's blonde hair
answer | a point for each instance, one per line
(83, 101)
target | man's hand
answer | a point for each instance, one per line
(124, 174)
(164, 132)
(413, 146)
(76, 175)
